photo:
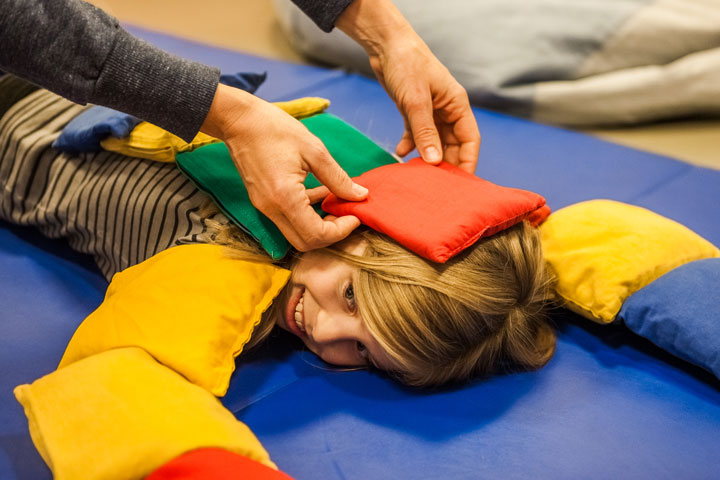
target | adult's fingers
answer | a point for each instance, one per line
(419, 112)
(406, 144)
(330, 174)
(468, 157)
(305, 230)
(468, 136)
(317, 194)
(461, 138)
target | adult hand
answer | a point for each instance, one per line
(273, 153)
(436, 109)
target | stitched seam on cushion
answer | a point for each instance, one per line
(268, 297)
(509, 223)
(646, 278)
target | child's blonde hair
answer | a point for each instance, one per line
(482, 311)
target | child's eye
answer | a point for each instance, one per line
(350, 296)
(362, 350)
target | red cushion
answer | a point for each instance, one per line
(437, 211)
(215, 464)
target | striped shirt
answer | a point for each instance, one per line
(118, 209)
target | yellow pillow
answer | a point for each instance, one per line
(191, 307)
(153, 143)
(304, 107)
(603, 251)
(120, 414)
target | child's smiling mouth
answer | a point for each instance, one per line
(295, 315)
(299, 314)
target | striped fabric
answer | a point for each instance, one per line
(12, 90)
(118, 209)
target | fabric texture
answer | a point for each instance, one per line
(304, 107)
(603, 251)
(12, 90)
(248, 81)
(557, 61)
(119, 210)
(84, 132)
(78, 51)
(323, 13)
(121, 414)
(436, 211)
(679, 313)
(154, 143)
(191, 307)
(151, 142)
(215, 464)
(213, 171)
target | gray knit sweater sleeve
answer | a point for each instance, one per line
(323, 12)
(78, 51)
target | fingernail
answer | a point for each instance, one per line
(432, 155)
(359, 190)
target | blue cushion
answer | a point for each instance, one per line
(244, 81)
(84, 132)
(679, 312)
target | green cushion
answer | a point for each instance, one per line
(213, 171)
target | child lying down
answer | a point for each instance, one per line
(364, 302)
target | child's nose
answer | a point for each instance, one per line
(330, 328)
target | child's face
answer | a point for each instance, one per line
(323, 312)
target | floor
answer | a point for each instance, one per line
(250, 26)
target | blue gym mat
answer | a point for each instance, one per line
(608, 405)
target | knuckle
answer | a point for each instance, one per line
(313, 239)
(415, 103)
(284, 199)
(413, 96)
(459, 92)
(261, 202)
(317, 150)
(425, 132)
(302, 246)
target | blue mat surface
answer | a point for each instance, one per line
(609, 404)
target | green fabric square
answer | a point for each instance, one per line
(212, 170)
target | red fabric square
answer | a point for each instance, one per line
(215, 464)
(437, 211)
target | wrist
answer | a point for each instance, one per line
(228, 107)
(377, 25)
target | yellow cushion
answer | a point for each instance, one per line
(191, 307)
(304, 107)
(120, 414)
(153, 143)
(603, 251)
